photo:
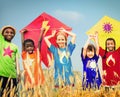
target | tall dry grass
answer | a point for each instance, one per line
(48, 90)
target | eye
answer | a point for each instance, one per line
(9, 32)
(58, 39)
(108, 43)
(6, 32)
(12, 32)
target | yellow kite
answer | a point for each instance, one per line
(107, 27)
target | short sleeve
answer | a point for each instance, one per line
(101, 52)
(71, 47)
(52, 48)
(118, 50)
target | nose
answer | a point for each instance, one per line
(10, 33)
(90, 52)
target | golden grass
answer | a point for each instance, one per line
(48, 90)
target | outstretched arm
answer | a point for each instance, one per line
(85, 47)
(97, 43)
(40, 38)
(22, 37)
(48, 37)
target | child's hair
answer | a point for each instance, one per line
(91, 47)
(28, 40)
(106, 46)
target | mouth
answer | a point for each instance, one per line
(9, 37)
(30, 51)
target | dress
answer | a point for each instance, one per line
(33, 70)
(63, 74)
(111, 67)
(90, 67)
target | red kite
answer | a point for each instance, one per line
(33, 32)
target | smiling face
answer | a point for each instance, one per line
(110, 45)
(29, 46)
(90, 52)
(8, 34)
(61, 41)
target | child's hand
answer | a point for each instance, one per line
(91, 36)
(96, 33)
(43, 29)
(62, 30)
(53, 33)
(24, 30)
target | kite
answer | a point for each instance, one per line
(33, 32)
(107, 28)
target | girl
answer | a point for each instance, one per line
(62, 60)
(32, 68)
(91, 75)
(111, 63)
(8, 60)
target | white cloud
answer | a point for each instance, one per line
(69, 16)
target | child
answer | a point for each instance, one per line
(111, 64)
(62, 60)
(8, 61)
(91, 75)
(31, 62)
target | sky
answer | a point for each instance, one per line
(81, 15)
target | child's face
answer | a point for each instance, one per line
(8, 34)
(90, 54)
(61, 41)
(29, 47)
(110, 45)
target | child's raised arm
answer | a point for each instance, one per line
(40, 37)
(71, 34)
(97, 43)
(22, 37)
(48, 37)
(85, 47)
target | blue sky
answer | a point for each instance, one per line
(81, 15)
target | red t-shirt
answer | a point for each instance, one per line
(111, 66)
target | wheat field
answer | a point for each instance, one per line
(48, 90)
